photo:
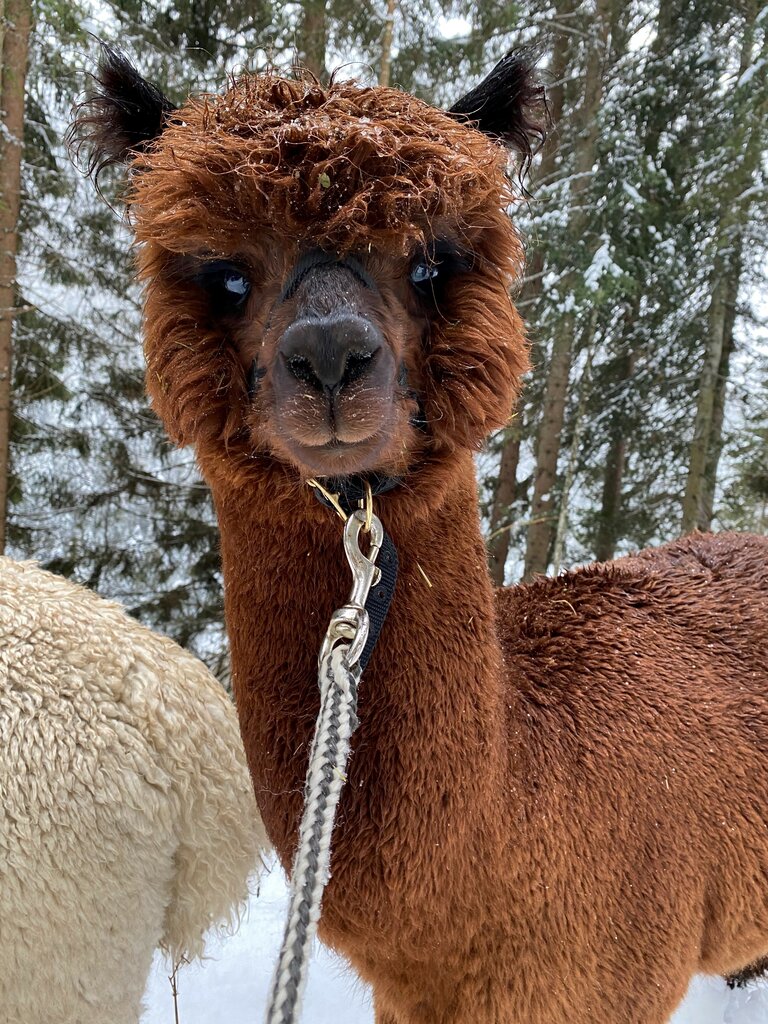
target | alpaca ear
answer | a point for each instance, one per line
(509, 105)
(122, 114)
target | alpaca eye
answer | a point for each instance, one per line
(435, 267)
(227, 285)
(236, 283)
(422, 272)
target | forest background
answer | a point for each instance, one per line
(646, 411)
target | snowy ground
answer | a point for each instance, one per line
(231, 987)
(232, 984)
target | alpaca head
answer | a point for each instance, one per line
(327, 269)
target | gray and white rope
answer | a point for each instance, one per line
(325, 777)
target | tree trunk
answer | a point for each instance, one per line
(312, 38)
(506, 493)
(543, 515)
(506, 489)
(543, 518)
(2, 39)
(610, 507)
(573, 453)
(607, 535)
(14, 68)
(386, 43)
(726, 275)
(702, 429)
(608, 529)
(715, 446)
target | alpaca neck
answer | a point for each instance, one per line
(431, 734)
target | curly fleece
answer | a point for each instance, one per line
(127, 818)
(342, 165)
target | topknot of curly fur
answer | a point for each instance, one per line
(341, 165)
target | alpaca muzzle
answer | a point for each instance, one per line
(332, 348)
(334, 376)
(334, 390)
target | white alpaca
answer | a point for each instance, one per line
(127, 819)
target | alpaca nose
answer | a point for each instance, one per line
(330, 352)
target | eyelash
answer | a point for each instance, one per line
(229, 287)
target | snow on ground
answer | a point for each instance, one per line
(232, 984)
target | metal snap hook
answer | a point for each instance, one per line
(351, 622)
(364, 571)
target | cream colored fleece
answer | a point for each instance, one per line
(127, 818)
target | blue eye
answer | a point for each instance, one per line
(226, 284)
(421, 272)
(435, 267)
(236, 284)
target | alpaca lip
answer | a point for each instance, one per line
(335, 457)
(335, 444)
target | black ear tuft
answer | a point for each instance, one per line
(120, 116)
(509, 104)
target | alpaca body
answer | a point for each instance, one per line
(126, 819)
(609, 758)
(556, 804)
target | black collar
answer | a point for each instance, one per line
(351, 490)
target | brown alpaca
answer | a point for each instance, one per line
(557, 805)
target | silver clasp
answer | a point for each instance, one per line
(351, 622)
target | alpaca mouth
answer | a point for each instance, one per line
(336, 445)
(375, 432)
(335, 457)
(345, 433)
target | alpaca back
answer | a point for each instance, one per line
(127, 819)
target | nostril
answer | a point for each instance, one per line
(328, 353)
(302, 370)
(356, 366)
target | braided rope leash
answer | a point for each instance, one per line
(338, 677)
(325, 778)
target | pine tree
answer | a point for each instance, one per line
(632, 285)
(100, 494)
(743, 123)
(642, 194)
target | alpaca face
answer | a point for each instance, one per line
(328, 349)
(327, 271)
(328, 364)
(325, 346)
